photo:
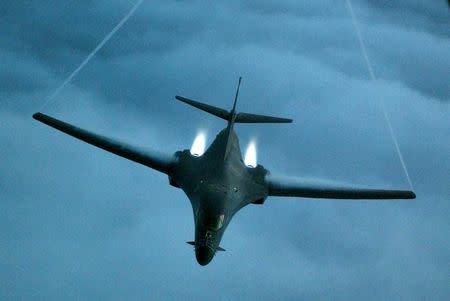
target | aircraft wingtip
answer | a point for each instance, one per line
(37, 115)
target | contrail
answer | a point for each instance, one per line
(96, 49)
(372, 75)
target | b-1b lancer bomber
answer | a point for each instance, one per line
(218, 183)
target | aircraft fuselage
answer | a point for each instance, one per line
(218, 184)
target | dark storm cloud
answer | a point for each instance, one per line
(80, 223)
(431, 17)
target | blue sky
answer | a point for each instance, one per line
(79, 223)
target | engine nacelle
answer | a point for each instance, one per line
(259, 201)
(173, 183)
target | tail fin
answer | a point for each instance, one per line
(254, 118)
(236, 96)
(221, 113)
(232, 116)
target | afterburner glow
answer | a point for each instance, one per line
(198, 147)
(250, 154)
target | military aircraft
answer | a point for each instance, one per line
(218, 183)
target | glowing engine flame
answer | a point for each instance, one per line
(250, 154)
(198, 147)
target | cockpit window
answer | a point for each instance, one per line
(215, 223)
(220, 221)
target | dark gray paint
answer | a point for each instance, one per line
(218, 183)
(67, 237)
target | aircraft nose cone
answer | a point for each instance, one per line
(204, 255)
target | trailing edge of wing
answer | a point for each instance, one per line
(158, 161)
(295, 187)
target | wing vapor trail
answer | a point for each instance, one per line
(93, 52)
(383, 105)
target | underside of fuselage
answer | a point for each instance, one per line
(218, 184)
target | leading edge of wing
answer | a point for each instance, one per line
(297, 187)
(159, 161)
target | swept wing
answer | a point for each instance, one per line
(298, 187)
(159, 161)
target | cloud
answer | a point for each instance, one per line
(81, 223)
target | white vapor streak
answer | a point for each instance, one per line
(87, 59)
(372, 75)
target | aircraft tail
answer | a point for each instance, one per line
(255, 118)
(232, 116)
(218, 112)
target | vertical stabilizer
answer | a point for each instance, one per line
(232, 117)
(237, 94)
(231, 121)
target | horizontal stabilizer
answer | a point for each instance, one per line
(192, 243)
(254, 118)
(307, 188)
(221, 113)
(239, 117)
(156, 160)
